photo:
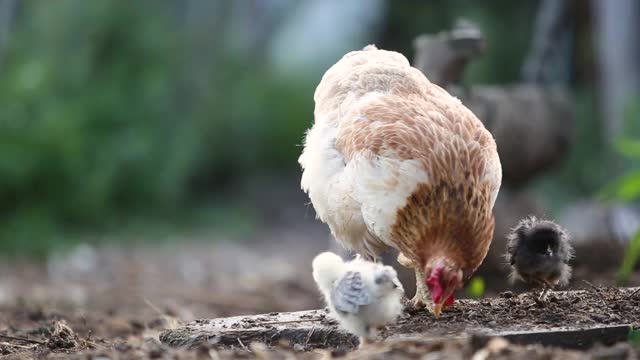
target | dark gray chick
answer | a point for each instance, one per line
(539, 253)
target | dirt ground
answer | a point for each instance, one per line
(111, 303)
(521, 312)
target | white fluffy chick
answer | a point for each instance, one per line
(362, 295)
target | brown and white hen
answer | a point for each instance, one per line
(393, 160)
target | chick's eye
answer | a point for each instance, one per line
(395, 286)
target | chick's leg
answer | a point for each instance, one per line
(543, 294)
(368, 338)
(546, 287)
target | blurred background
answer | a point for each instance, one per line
(148, 148)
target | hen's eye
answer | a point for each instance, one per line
(395, 286)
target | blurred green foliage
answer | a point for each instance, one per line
(626, 188)
(117, 111)
(630, 260)
(98, 124)
(476, 287)
(123, 115)
(634, 336)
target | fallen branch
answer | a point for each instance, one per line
(28, 347)
(633, 293)
(290, 321)
(19, 338)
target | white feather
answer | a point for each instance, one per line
(329, 190)
(327, 268)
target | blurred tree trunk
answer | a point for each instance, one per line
(548, 58)
(7, 13)
(204, 24)
(617, 34)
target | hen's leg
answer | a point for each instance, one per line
(404, 261)
(422, 293)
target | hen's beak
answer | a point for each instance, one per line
(437, 309)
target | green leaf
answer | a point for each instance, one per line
(634, 336)
(626, 188)
(628, 147)
(476, 287)
(631, 257)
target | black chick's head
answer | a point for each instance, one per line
(539, 253)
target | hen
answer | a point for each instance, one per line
(393, 160)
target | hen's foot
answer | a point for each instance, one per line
(404, 261)
(417, 303)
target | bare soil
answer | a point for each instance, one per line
(111, 302)
(519, 312)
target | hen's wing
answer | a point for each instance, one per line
(350, 293)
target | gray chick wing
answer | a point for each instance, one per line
(350, 292)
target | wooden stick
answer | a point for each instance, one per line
(289, 321)
(632, 294)
(17, 345)
(18, 338)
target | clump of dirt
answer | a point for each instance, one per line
(62, 337)
(55, 336)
